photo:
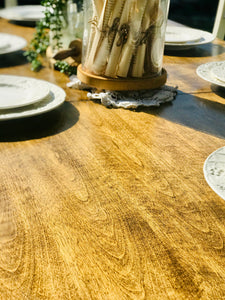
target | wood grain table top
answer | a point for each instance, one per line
(99, 203)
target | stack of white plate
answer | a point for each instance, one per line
(23, 13)
(182, 38)
(214, 72)
(10, 43)
(24, 97)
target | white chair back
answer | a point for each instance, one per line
(219, 24)
(10, 3)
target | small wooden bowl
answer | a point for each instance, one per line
(121, 84)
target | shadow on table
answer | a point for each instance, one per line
(199, 51)
(24, 23)
(195, 112)
(13, 59)
(220, 91)
(47, 124)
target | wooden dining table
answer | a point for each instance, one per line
(99, 203)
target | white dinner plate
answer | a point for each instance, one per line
(214, 171)
(199, 37)
(10, 43)
(23, 13)
(18, 91)
(205, 72)
(175, 34)
(54, 99)
(218, 71)
(4, 43)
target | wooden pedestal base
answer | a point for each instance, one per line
(121, 84)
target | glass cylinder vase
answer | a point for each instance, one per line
(123, 43)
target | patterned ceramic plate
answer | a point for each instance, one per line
(54, 99)
(214, 171)
(18, 91)
(205, 72)
(218, 70)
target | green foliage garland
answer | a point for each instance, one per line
(54, 20)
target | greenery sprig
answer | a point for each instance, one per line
(55, 20)
(65, 68)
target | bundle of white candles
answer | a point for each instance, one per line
(125, 38)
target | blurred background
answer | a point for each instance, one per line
(22, 2)
(195, 13)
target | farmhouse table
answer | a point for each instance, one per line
(99, 203)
